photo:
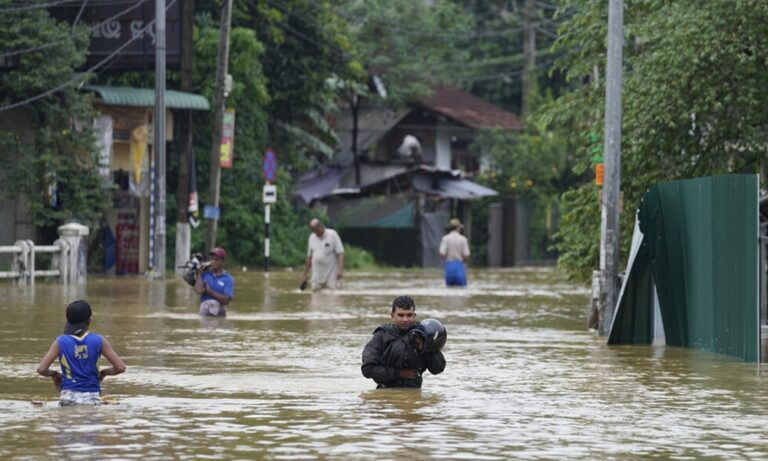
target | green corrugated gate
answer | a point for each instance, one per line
(699, 248)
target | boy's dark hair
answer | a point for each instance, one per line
(403, 302)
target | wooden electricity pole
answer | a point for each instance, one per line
(529, 52)
(219, 101)
(609, 219)
(183, 230)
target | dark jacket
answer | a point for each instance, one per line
(391, 350)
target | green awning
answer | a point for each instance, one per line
(142, 97)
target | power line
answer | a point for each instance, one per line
(475, 77)
(77, 18)
(546, 32)
(71, 35)
(512, 73)
(36, 6)
(82, 77)
(311, 22)
(460, 36)
(396, 27)
(547, 6)
(328, 46)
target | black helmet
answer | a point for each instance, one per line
(434, 334)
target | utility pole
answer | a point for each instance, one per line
(529, 51)
(183, 230)
(609, 217)
(355, 106)
(219, 101)
(159, 141)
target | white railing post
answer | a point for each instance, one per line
(21, 262)
(60, 259)
(30, 262)
(75, 235)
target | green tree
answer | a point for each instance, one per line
(58, 170)
(694, 84)
(241, 228)
(532, 165)
(407, 42)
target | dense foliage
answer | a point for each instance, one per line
(694, 84)
(693, 97)
(47, 146)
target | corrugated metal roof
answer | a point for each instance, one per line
(142, 97)
(458, 188)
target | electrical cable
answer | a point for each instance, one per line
(341, 53)
(338, 51)
(546, 32)
(79, 13)
(395, 27)
(70, 36)
(547, 6)
(309, 22)
(35, 6)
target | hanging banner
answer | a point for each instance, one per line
(227, 138)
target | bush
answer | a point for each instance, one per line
(358, 258)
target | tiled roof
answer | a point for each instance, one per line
(469, 110)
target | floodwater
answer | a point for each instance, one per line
(280, 377)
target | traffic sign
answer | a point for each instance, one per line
(270, 166)
(269, 193)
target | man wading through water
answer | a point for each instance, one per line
(397, 354)
(325, 256)
(214, 285)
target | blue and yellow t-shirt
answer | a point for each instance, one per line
(78, 357)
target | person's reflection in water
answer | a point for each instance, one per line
(325, 301)
(406, 405)
(215, 323)
(75, 430)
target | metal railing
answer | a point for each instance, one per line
(23, 265)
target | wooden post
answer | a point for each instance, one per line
(219, 101)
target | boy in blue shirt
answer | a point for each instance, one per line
(78, 351)
(214, 285)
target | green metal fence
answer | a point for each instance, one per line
(698, 252)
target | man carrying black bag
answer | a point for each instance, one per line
(214, 285)
(399, 352)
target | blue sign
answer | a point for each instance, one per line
(211, 212)
(270, 165)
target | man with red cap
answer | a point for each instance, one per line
(214, 285)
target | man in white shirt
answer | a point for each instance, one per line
(325, 256)
(454, 250)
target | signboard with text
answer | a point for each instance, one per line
(127, 26)
(227, 139)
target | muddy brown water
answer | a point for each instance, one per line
(279, 378)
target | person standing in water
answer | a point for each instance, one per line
(325, 256)
(454, 251)
(399, 352)
(78, 351)
(214, 285)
